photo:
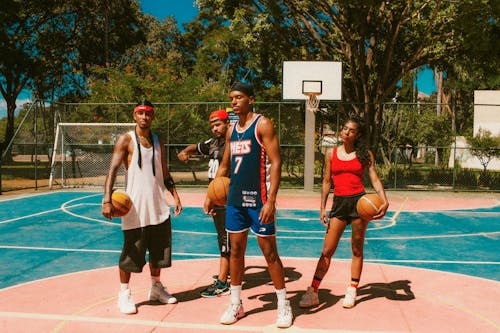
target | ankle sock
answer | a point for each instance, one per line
(281, 295)
(235, 294)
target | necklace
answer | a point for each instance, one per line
(139, 158)
(239, 135)
(346, 156)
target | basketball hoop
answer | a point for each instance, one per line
(312, 102)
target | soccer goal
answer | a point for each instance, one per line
(82, 152)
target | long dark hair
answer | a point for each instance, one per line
(360, 145)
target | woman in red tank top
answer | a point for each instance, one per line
(345, 166)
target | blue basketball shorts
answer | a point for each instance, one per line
(240, 219)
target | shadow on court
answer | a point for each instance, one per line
(396, 291)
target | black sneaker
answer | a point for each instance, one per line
(218, 288)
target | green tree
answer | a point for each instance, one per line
(49, 47)
(19, 22)
(377, 41)
(485, 147)
(475, 64)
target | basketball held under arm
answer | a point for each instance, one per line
(378, 187)
(224, 168)
(120, 155)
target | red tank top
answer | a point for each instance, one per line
(346, 175)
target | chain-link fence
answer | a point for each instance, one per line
(418, 147)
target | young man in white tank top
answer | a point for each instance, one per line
(147, 226)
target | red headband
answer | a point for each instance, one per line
(144, 108)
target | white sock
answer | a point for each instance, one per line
(123, 286)
(235, 294)
(281, 294)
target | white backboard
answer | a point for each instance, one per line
(324, 77)
(487, 111)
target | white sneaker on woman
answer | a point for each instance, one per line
(350, 297)
(310, 298)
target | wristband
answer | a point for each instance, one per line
(169, 183)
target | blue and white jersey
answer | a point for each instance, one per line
(249, 185)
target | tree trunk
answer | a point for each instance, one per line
(9, 129)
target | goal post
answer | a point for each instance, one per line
(82, 152)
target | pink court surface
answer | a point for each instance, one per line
(391, 298)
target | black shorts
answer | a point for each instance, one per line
(344, 207)
(156, 239)
(220, 226)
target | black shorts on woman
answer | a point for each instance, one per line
(344, 207)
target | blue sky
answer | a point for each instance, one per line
(185, 11)
(182, 10)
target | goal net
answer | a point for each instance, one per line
(82, 152)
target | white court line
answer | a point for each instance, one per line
(217, 255)
(65, 206)
(385, 220)
(30, 215)
(155, 323)
(459, 262)
(61, 249)
(476, 234)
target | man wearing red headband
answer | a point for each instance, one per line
(214, 149)
(147, 226)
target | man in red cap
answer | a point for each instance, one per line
(214, 149)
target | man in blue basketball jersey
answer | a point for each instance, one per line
(253, 162)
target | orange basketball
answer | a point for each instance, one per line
(121, 203)
(218, 189)
(368, 205)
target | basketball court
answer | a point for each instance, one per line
(431, 265)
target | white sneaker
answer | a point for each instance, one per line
(126, 302)
(159, 293)
(284, 315)
(310, 298)
(350, 297)
(232, 314)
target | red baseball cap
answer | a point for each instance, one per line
(219, 114)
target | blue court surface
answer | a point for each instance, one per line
(56, 233)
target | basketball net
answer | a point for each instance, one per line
(312, 102)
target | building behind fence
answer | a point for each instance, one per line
(409, 157)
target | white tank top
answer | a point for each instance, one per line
(145, 189)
